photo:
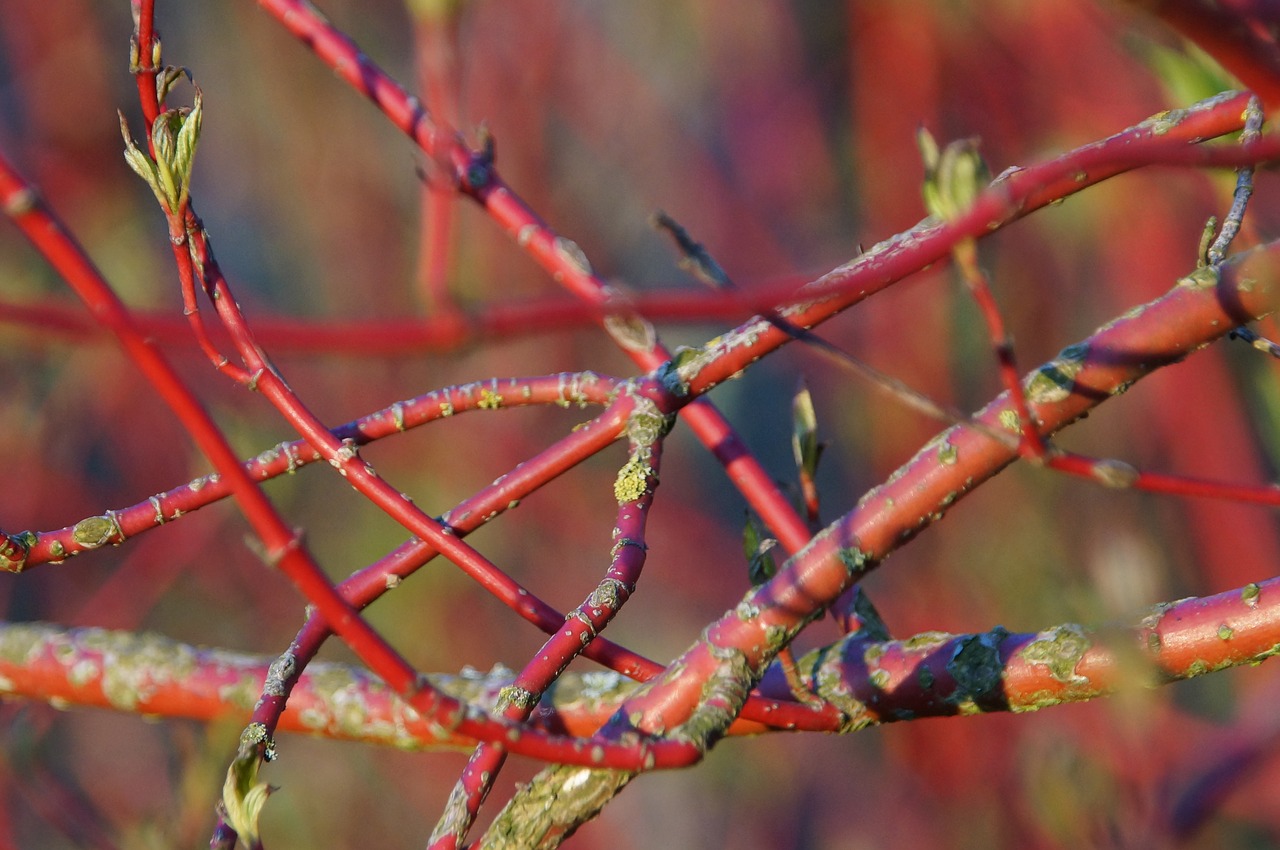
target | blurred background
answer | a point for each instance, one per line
(782, 135)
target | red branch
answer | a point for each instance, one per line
(1193, 313)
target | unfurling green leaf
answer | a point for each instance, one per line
(757, 547)
(185, 154)
(166, 79)
(174, 137)
(242, 795)
(804, 433)
(142, 165)
(928, 150)
(953, 177)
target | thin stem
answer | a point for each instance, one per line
(634, 491)
(1244, 189)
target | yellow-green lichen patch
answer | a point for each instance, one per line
(1010, 420)
(253, 735)
(1205, 277)
(82, 672)
(1225, 632)
(133, 666)
(281, 671)
(1249, 595)
(775, 638)
(606, 594)
(589, 690)
(21, 643)
(95, 531)
(632, 481)
(513, 695)
(1059, 649)
(489, 400)
(349, 696)
(327, 681)
(14, 549)
(571, 388)
(854, 559)
(313, 718)
(1156, 613)
(827, 677)
(1163, 122)
(926, 641)
(396, 412)
(722, 697)
(1035, 702)
(825, 669)
(947, 453)
(242, 693)
(1054, 381)
(646, 424)
(1262, 656)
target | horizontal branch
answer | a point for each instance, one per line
(153, 675)
(872, 681)
(115, 526)
(937, 674)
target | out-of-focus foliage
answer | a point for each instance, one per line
(782, 135)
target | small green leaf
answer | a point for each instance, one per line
(242, 795)
(928, 151)
(163, 131)
(166, 79)
(185, 149)
(142, 165)
(953, 177)
(804, 433)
